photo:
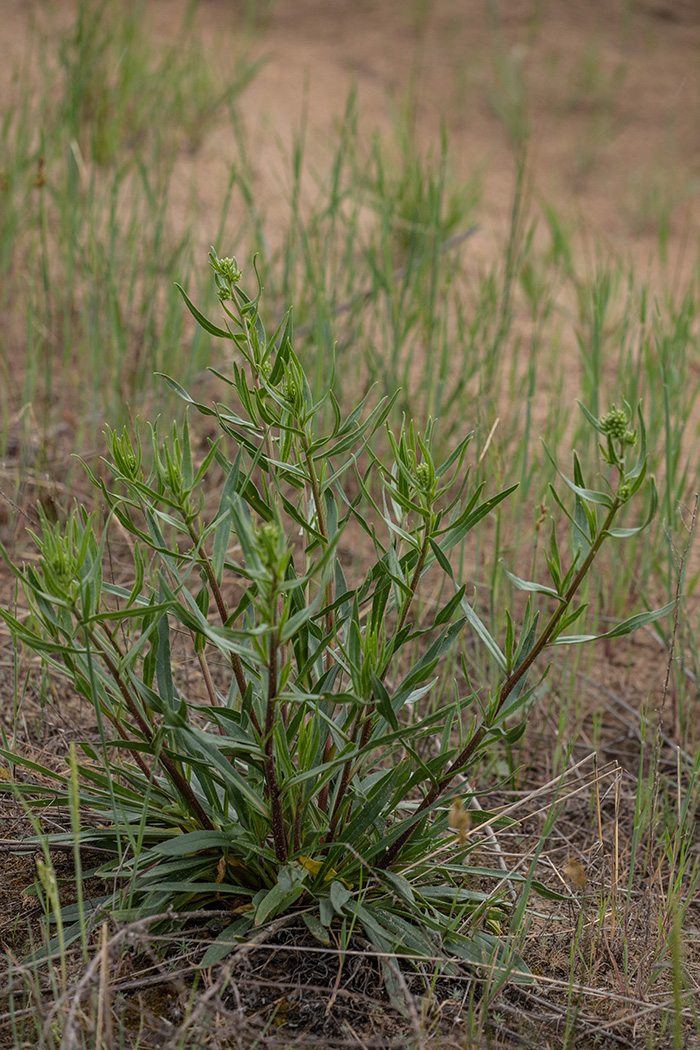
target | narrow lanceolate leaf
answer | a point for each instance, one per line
(591, 495)
(368, 813)
(595, 423)
(621, 533)
(459, 529)
(481, 632)
(626, 627)
(316, 928)
(529, 585)
(584, 522)
(181, 392)
(164, 674)
(363, 431)
(401, 886)
(383, 702)
(226, 941)
(194, 842)
(204, 322)
(222, 532)
(340, 895)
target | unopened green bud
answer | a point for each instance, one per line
(630, 437)
(268, 542)
(423, 475)
(126, 459)
(228, 268)
(624, 491)
(615, 424)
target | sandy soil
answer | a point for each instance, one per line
(613, 90)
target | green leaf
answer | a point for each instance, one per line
(226, 941)
(595, 423)
(591, 495)
(510, 635)
(194, 842)
(181, 392)
(640, 620)
(481, 632)
(340, 895)
(362, 431)
(201, 320)
(382, 939)
(626, 627)
(653, 507)
(584, 522)
(368, 813)
(401, 886)
(288, 889)
(164, 675)
(547, 893)
(383, 702)
(187, 467)
(447, 612)
(170, 886)
(222, 532)
(459, 529)
(528, 585)
(316, 928)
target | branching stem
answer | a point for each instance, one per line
(176, 776)
(507, 688)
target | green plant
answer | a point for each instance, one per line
(284, 778)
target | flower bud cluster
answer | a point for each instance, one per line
(229, 269)
(227, 274)
(268, 537)
(423, 475)
(616, 425)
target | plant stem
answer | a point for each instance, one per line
(278, 831)
(176, 776)
(223, 614)
(415, 580)
(509, 685)
(315, 487)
